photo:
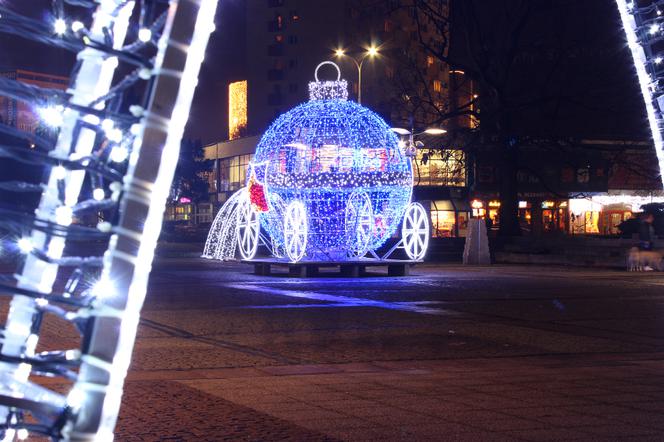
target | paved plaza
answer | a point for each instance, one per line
(448, 353)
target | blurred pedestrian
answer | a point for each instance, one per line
(646, 232)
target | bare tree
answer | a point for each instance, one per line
(540, 70)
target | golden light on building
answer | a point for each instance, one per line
(237, 109)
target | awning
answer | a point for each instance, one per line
(442, 205)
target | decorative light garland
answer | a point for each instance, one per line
(129, 159)
(643, 27)
(221, 242)
(328, 90)
(329, 181)
(321, 152)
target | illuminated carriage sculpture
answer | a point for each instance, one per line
(329, 182)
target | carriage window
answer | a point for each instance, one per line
(331, 158)
(374, 160)
(294, 158)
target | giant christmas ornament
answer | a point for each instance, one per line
(329, 181)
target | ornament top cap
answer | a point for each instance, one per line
(328, 90)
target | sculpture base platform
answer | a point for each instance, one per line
(352, 269)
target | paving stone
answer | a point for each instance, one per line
(163, 410)
(218, 357)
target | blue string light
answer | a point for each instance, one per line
(332, 155)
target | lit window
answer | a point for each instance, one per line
(437, 167)
(237, 109)
(443, 219)
(437, 86)
(429, 60)
(279, 38)
(478, 209)
(233, 172)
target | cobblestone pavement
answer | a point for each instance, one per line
(449, 353)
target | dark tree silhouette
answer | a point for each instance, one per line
(190, 179)
(543, 72)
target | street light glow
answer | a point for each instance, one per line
(339, 52)
(400, 131)
(435, 131)
(372, 51)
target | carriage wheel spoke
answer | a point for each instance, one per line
(415, 231)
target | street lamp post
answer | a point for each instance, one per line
(370, 52)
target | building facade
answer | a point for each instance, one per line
(20, 114)
(286, 40)
(588, 187)
(281, 62)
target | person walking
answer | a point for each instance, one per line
(646, 235)
(646, 231)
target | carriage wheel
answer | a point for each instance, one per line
(415, 231)
(359, 224)
(295, 231)
(247, 229)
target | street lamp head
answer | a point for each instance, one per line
(400, 131)
(339, 52)
(435, 131)
(372, 51)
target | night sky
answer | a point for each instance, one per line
(572, 74)
(597, 93)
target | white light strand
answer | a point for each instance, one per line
(149, 180)
(647, 83)
(327, 90)
(312, 170)
(93, 79)
(221, 242)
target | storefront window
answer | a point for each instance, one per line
(447, 221)
(494, 214)
(442, 219)
(525, 216)
(584, 216)
(612, 216)
(233, 172)
(439, 167)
